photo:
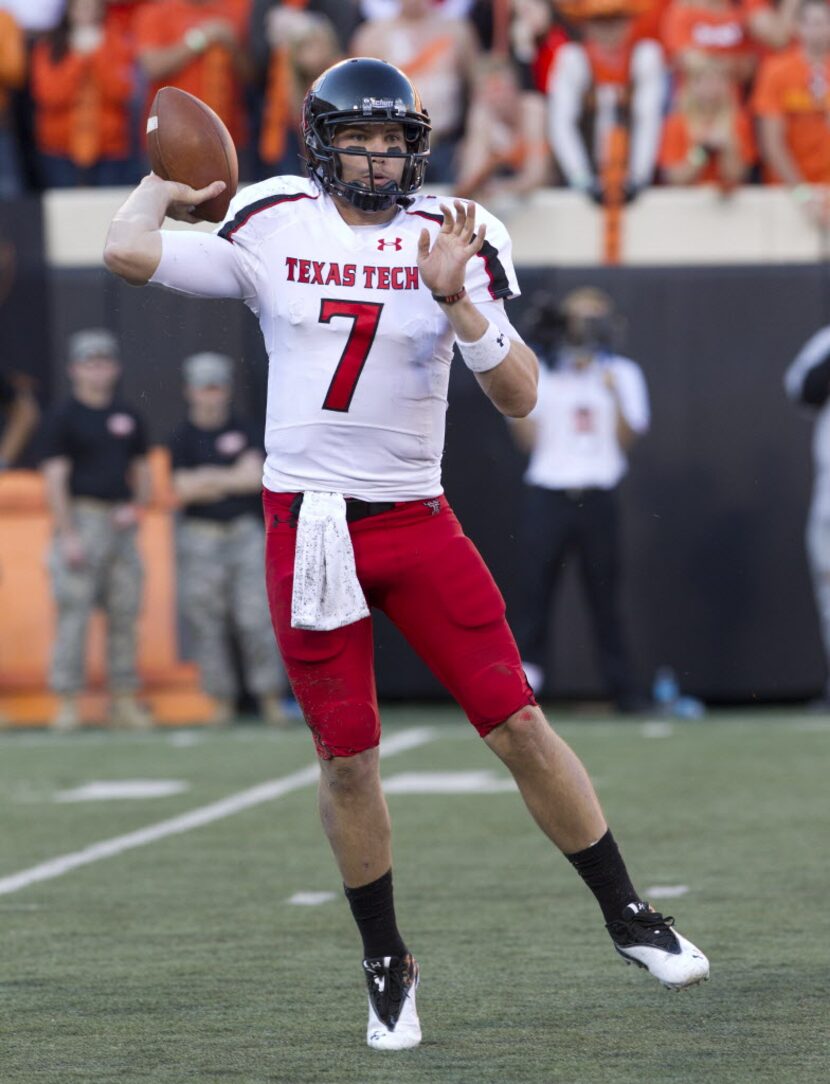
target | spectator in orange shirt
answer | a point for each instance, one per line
(707, 136)
(198, 46)
(12, 75)
(121, 14)
(82, 81)
(737, 29)
(302, 45)
(610, 84)
(438, 53)
(792, 102)
(505, 151)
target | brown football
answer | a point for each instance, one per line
(189, 143)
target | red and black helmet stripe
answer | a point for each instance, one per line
(247, 213)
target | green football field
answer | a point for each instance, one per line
(189, 925)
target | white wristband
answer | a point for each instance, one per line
(487, 352)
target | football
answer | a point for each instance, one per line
(189, 143)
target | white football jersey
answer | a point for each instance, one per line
(359, 352)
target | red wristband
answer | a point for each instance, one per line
(450, 299)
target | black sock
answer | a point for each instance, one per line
(373, 909)
(602, 869)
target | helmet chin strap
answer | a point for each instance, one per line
(365, 200)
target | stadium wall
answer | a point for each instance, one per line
(718, 296)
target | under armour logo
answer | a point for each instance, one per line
(500, 339)
(396, 243)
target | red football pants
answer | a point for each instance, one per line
(416, 565)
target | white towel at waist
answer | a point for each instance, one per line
(326, 593)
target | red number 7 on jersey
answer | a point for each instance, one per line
(365, 315)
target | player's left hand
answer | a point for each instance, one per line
(443, 266)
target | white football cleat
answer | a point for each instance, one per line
(393, 1018)
(642, 936)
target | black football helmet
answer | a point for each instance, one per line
(359, 90)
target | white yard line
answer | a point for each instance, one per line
(245, 799)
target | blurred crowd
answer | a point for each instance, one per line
(605, 96)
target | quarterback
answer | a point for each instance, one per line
(362, 287)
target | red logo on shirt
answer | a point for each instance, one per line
(396, 243)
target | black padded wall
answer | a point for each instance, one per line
(714, 504)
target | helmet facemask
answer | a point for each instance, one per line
(325, 160)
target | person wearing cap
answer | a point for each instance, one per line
(97, 479)
(217, 476)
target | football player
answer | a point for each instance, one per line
(362, 286)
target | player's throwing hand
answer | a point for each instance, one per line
(442, 266)
(181, 198)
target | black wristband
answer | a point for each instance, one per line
(450, 299)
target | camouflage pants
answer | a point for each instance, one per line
(110, 579)
(222, 577)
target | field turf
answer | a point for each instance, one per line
(182, 960)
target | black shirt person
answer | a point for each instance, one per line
(217, 464)
(97, 478)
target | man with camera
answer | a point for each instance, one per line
(592, 406)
